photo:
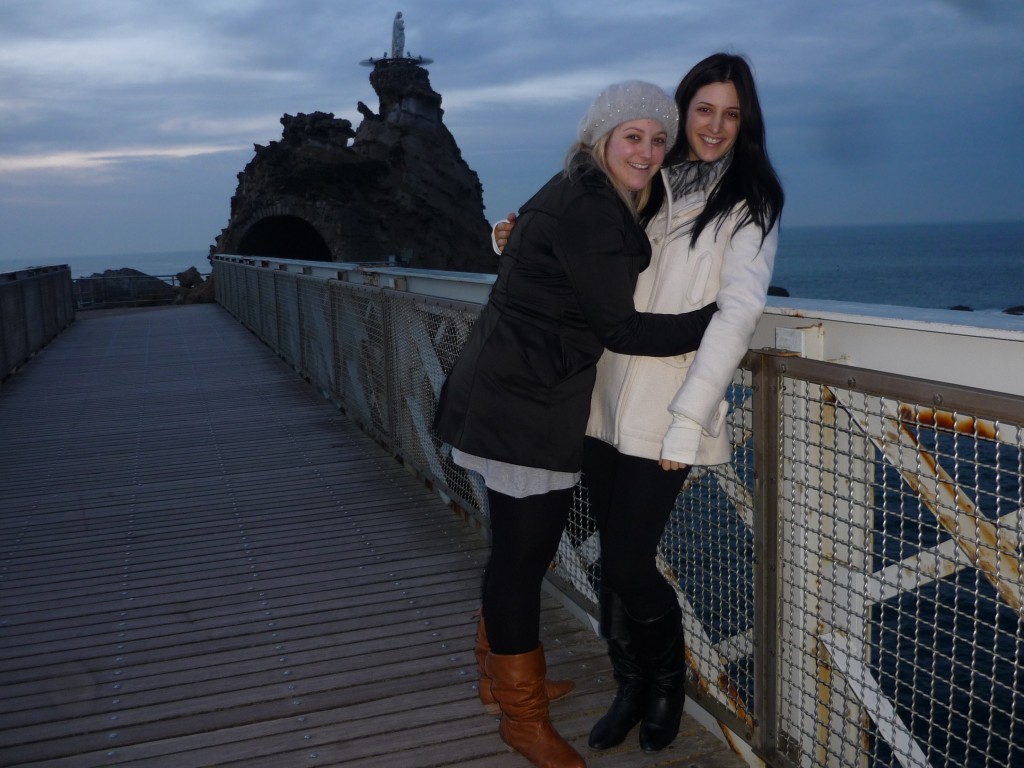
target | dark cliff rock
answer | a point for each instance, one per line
(193, 288)
(396, 187)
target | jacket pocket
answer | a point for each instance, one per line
(699, 278)
(644, 410)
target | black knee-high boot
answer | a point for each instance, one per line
(631, 699)
(661, 651)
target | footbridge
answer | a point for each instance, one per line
(230, 538)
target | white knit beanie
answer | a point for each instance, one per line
(631, 100)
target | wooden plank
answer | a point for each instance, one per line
(203, 563)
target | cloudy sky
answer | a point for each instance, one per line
(123, 123)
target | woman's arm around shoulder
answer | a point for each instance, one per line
(602, 251)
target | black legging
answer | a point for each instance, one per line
(631, 499)
(524, 539)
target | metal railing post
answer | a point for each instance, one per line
(767, 374)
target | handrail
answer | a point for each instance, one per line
(127, 290)
(35, 306)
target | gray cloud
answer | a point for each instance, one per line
(112, 111)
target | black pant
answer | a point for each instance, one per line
(524, 539)
(631, 499)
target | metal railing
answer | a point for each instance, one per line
(35, 306)
(851, 582)
(126, 290)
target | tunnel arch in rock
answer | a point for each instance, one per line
(284, 236)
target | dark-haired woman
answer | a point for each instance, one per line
(713, 239)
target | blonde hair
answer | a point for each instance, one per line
(578, 156)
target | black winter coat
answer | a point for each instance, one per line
(520, 390)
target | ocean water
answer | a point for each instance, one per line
(977, 265)
(160, 264)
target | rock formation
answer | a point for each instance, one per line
(193, 288)
(394, 189)
(122, 287)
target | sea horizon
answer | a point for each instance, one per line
(977, 265)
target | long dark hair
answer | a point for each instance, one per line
(750, 177)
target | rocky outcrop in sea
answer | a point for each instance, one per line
(395, 189)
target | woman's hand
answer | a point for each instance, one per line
(502, 231)
(668, 466)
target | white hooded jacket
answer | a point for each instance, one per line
(673, 407)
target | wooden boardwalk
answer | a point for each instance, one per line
(202, 563)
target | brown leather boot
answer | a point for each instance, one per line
(555, 689)
(517, 681)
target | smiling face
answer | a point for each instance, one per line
(635, 152)
(712, 121)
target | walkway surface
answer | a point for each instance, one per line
(202, 563)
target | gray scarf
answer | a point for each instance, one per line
(692, 175)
